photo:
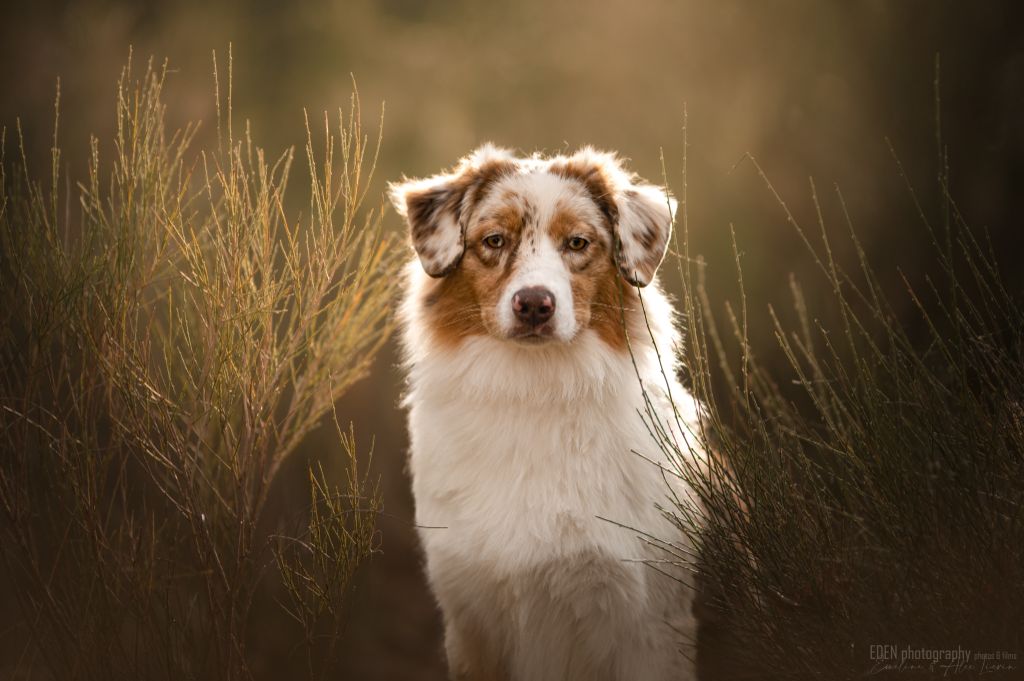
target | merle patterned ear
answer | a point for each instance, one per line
(640, 214)
(645, 223)
(431, 207)
(436, 207)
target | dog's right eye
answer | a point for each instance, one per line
(494, 241)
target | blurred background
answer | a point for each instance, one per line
(810, 89)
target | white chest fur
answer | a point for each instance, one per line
(528, 466)
(522, 481)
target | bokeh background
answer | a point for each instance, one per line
(809, 88)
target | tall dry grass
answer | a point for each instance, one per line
(873, 493)
(170, 335)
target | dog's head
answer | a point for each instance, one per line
(534, 250)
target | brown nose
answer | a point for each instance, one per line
(533, 305)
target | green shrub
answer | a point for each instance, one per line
(874, 495)
(170, 335)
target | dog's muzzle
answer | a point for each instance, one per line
(534, 307)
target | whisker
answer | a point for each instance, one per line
(614, 307)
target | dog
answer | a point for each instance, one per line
(540, 354)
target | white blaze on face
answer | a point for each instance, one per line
(541, 265)
(539, 261)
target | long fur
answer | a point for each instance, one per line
(537, 481)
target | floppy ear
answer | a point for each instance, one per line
(640, 214)
(436, 207)
(431, 207)
(643, 229)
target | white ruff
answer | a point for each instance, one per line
(517, 455)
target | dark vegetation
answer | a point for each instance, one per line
(170, 335)
(869, 493)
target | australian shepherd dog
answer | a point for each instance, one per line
(540, 358)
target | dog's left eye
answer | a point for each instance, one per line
(576, 243)
(494, 241)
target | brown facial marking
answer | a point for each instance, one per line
(488, 174)
(425, 208)
(597, 290)
(593, 180)
(613, 298)
(566, 224)
(465, 302)
(592, 177)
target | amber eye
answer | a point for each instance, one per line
(577, 243)
(494, 241)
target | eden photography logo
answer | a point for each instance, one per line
(941, 661)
